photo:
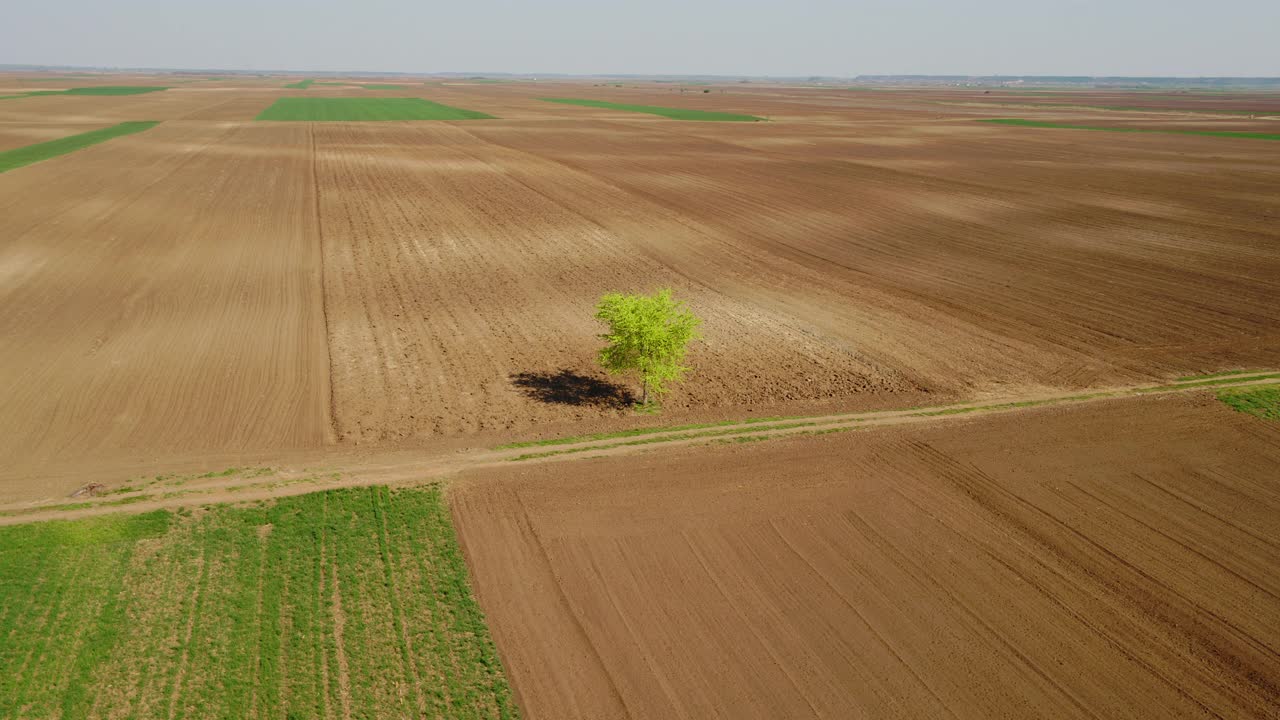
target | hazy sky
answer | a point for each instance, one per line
(731, 37)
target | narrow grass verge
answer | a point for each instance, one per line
(19, 157)
(654, 440)
(636, 431)
(1009, 406)
(673, 113)
(1065, 126)
(1224, 373)
(1209, 383)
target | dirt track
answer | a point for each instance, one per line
(1078, 562)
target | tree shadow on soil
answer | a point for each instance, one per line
(566, 387)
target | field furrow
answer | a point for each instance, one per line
(1036, 565)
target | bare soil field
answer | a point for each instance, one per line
(159, 296)
(218, 287)
(1115, 560)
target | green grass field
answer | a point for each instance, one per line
(1262, 401)
(114, 90)
(300, 85)
(18, 157)
(1065, 126)
(346, 603)
(101, 90)
(673, 113)
(357, 109)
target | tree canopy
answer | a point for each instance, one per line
(649, 334)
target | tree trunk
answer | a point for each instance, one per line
(644, 392)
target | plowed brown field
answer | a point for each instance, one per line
(860, 250)
(159, 295)
(1110, 561)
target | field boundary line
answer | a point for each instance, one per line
(331, 432)
(363, 470)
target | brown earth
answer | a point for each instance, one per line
(159, 292)
(169, 290)
(378, 302)
(1115, 560)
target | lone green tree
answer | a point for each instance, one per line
(649, 334)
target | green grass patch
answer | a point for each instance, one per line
(364, 109)
(1261, 401)
(350, 602)
(300, 85)
(18, 157)
(114, 90)
(1065, 126)
(673, 113)
(102, 90)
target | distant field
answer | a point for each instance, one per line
(1066, 126)
(19, 157)
(357, 109)
(301, 85)
(366, 86)
(103, 90)
(673, 113)
(349, 603)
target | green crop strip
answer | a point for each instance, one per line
(1262, 401)
(673, 113)
(18, 157)
(1065, 126)
(114, 90)
(354, 598)
(364, 109)
(300, 85)
(100, 90)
